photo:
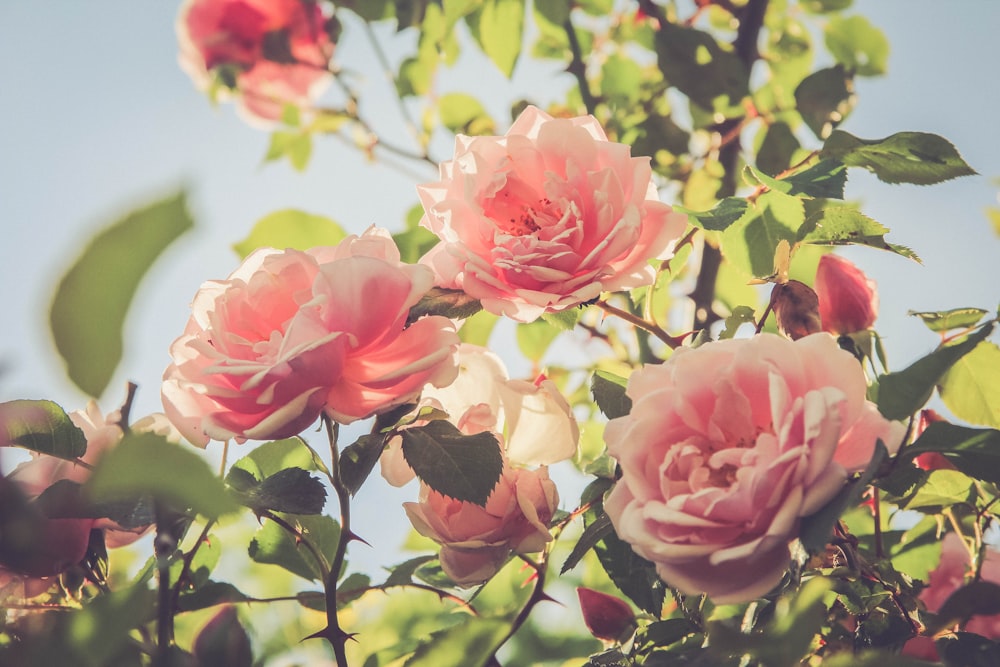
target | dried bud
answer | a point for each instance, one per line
(796, 309)
(848, 300)
(606, 616)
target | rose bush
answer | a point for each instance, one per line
(270, 52)
(848, 299)
(292, 334)
(727, 446)
(476, 540)
(546, 217)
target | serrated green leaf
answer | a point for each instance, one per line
(149, 464)
(824, 99)
(902, 393)
(402, 574)
(272, 457)
(946, 320)
(825, 179)
(724, 214)
(608, 391)
(842, 225)
(752, 241)
(498, 29)
(564, 319)
(904, 157)
(289, 490)
(93, 297)
(971, 387)
(470, 643)
(290, 228)
(857, 45)
(41, 426)
(451, 303)
(358, 460)
(463, 467)
(596, 531)
(942, 488)
(273, 545)
(976, 452)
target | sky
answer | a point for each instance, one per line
(97, 117)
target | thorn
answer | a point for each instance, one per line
(354, 537)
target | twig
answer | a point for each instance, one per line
(671, 341)
(578, 68)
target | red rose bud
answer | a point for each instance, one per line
(848, 300)
(795, 309)
(930, 460)
(606, 616)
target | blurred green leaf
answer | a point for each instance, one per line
(904, 157)
(41, 426)
(290, 228)
(963, 649)
(93, 297)
(463, 467)
(902, 393)
(462, 113)
(498, 28)
(274, 545)
(857, 45)
(946, 320)
(825, 6)
(824, 99)
(564, 319)
(471, 643)
(534, 338)
(621, 80)
(693, 62)
(149, 464)
(740, 315)
(776, 149)
(296, 146)
(843, 225)
(971, 387)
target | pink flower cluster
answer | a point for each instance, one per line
(292, 334)
(727, 447)
(277, 51)
(546, 217)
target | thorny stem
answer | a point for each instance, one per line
(189, 558)
(671, 341)
(537, 595)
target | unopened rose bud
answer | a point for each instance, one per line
(848, 300)
(930, 460)
(606, 616)
(796, 309)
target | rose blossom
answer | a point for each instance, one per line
(476, 541)
(532, 419)
(848, 299)
(546, 217)
(727, 446)
(277, 50)
(291, 334)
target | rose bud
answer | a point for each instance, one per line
(848, 300)
(606, 616)
(796, 309)
(930, 460)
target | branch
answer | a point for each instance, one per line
(578, 68)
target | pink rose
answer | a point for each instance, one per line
(276, 50)
(476, 541)
(727, 447)
(848, 299)
(951, 574)
(546, 217)
(292, 334)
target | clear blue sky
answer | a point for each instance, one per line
(97, 116)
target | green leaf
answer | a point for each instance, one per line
(946, 320)
(971, 387)
(470, 643)
(402, 574)
(843, 225)
(693, 62)
(740, 315)
(358, 460)
(272, 457)
(451, 303)
(942, 488)
(41, 426)
(825, 6)
(824, 99)
(857, 45)
(498, 29)
(223, 642)
(725, 213)
(463, 113)
(101, 629)
(825, 179)
(146, 463)
(776, 148)
(595, 532)
(534, 338)
(621, 80)
(463, 467)
(564, 319)
(904, 157)
(416, 241)
(273, 545)
(751, 243)
(608, 391)
(296, 146)
(902, 393)
(290, 228)
(290, 490)
(976, 452)
(478, 328)
(93, 297)
(210, 594)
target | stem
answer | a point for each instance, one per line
(164, 546)
(126, 410)
(877, 511)
(188, 559)
(537, 595)
(578, 68)
(635, 320)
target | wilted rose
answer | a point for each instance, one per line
(271, 52)
(848, 299)
(476, 541)
(546, 217)
(727, 447)
(291, 334)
